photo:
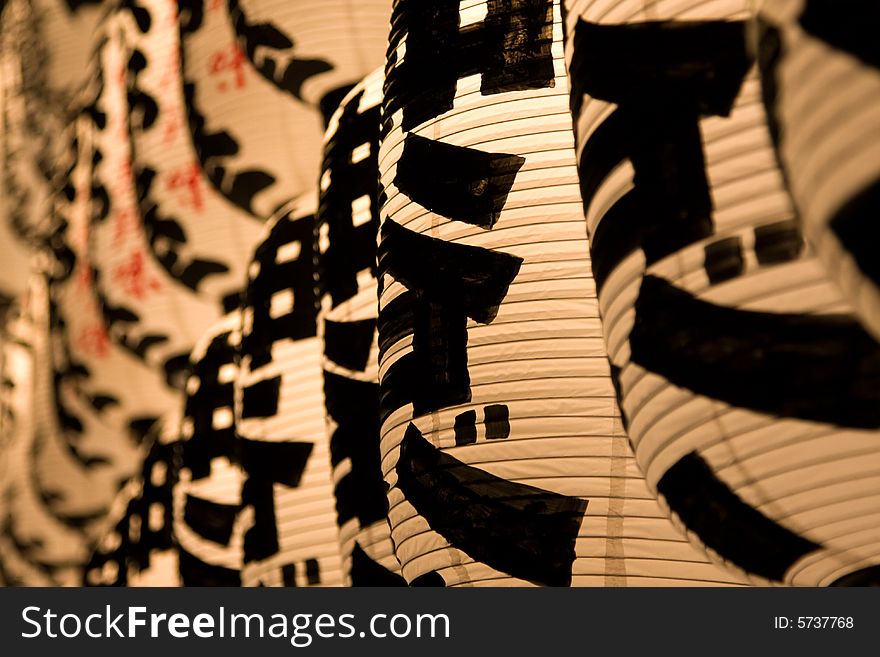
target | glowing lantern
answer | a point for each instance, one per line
(504, 452)
(279, 414)
(346, 227)
(747, 386)
(46, 510)
(139, 549)
(201, 240)
(821, 78)
(208, 523)
(44, 50)
(314, 50)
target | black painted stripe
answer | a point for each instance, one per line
(261, 399)
(778, 242)
(851, 27)
(460, 183)
(736, 531)
(474, 278)
(855, 224)
(267, 464)
(521, 530)
(278, 463)
(313, 572)
(195, 572)
(824, 368)
(348, 344)
(210, 520)
(466, 428)
(724, 260)
(366, 572)
(511, 48)
(869, 576)
(354, 406)
(497, 420)
(663, 77)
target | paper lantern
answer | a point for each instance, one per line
(822, 89)
(279, 414)
(42, 541)
(104, 379)
(208, 523)
(150, 311)
(139, 550)
(347, 225)
(258, 146)
(44, 50)
(746, 383)
(65, 31)
(314, 50)
(199, 238)
(502, 445)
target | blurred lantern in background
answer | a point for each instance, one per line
(140, 547)
(256, 73)
(748, 388)
(501, 440)
(200, 240)
(42, 530)
(821, 75)
(346, 230)
(208, 523)
(146, 309)
(44, 52)
(107, 396)
(314, 50)
(279, 413)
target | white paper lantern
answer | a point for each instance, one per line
(347, 226)
(105, 397)
(201, 239)
(279, 414)
(149, 311)
(258, 145)
(44, 50)
(313, 49)
(41, 541)
(821, 77)
(139, 549)
(502, 444)
(208, 522)
(747, 385)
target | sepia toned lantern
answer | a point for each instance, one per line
(258, 74)
(208, 522)
(257, 145)
(279, 414)
(314, 50)
(747, 386)
(49, 508)
(45, 47)
(201, 241)
(502, 446)
(147, 308)
(139, 548)
(821, 77)
(346, 230)
(104, 378)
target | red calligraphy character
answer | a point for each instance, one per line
(94, 340)
(188, 179)
(230, 59)
(124, 220)
(84, 277)
(134, 277)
